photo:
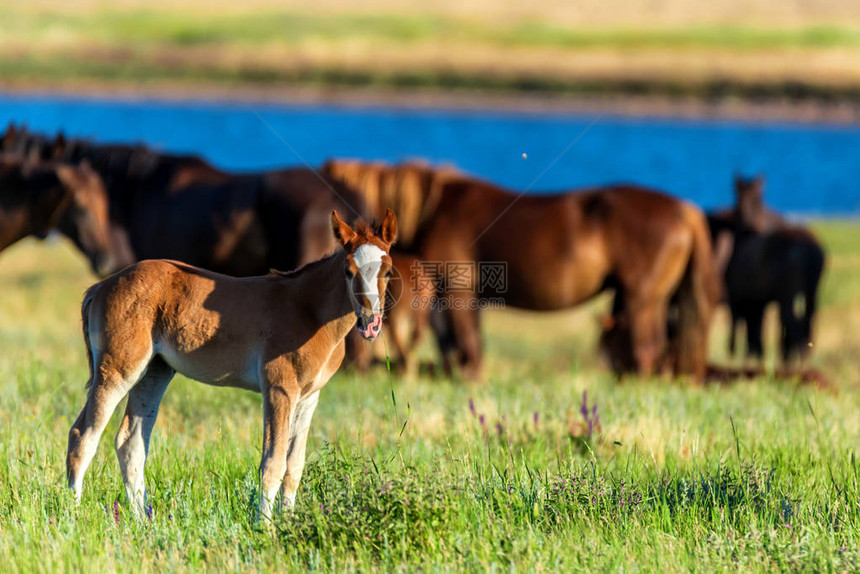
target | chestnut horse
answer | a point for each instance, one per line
(559, 251)
(281, 335)
(37, 199)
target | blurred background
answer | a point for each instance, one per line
(725, 48)
(686, 93)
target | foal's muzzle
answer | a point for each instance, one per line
(369, 326)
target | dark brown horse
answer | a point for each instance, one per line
(783, 266)
(559, 251)
(182, 208)
(38, 199)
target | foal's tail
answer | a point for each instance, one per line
(697, 296)
(86, 305)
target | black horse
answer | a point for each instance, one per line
(783, 266)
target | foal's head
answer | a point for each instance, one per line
(368, 267)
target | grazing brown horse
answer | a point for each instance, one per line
(560, 251)
(37, 199)
(281, 335)
(180, 207)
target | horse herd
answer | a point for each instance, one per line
(668, 264)
(285, 333)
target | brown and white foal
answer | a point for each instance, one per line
(281, 335)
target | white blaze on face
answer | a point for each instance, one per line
(368, 259)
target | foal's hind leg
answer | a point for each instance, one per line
(109, 386)
(132, 439)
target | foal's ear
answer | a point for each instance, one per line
(388, 229)
(342, 231)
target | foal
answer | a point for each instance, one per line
(281, 335)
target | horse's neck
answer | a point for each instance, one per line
(324, 290)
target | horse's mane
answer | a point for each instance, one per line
(411, 189)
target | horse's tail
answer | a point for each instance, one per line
(86, 307)
(697, 296)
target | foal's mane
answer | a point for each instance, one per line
(306, 268)
(411, 189)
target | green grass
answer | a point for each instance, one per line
(756, 476)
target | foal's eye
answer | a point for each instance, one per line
(387, 274)
(349, 274)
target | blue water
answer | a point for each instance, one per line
(810, 169)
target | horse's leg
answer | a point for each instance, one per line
(399, 328)
(790, 341)
(733, 330)
(132, 439)
(359, 353)
(299, 427)
(754, 320)
(648, 332)
(440, 322)
(278, 409)
(421, 317)
(109, 386)
(465, 323)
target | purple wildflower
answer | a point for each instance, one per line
(482, 420)
(472, 406)
(535, 419)
(116, 511)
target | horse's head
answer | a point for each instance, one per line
(749, 198)
(86, 219)
(368, 268)
(12, 138)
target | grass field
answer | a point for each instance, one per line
(673, 47)
(438, 475)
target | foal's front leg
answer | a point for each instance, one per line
(278, 407)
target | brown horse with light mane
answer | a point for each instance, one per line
(281, 335)
(560, 250)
